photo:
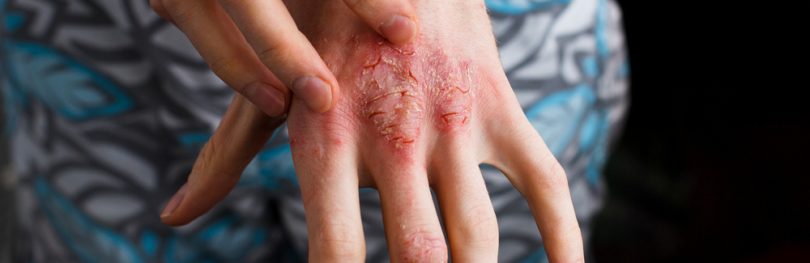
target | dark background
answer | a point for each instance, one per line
(712, 163)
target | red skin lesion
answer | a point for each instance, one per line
(402, 89)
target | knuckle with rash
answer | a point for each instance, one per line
(422, 247)
(404, 88)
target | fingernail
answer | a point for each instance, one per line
(269, 99)
(174, 202)
(315, 93)
(398, 29)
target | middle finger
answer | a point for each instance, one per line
(411, 225)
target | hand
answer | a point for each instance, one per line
(413, 117)
(255, 47)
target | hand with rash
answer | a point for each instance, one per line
(410, 118)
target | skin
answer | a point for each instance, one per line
(413, 117)
(248, 43)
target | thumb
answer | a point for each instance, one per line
(393, 19)
(241, 134)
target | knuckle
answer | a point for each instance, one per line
(271, 51)
(335, 131)
(208, 155)
(481, 226)
(553, 176)
(422, 247)
(211, 162)
(224, 66)
(401, 94)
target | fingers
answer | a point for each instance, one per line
(272, 33)
(242, 133)
(331, 200)
(467, 210)
(393, 19)
(326, 168)
(535, 172)
(219, 42)
(411, 225)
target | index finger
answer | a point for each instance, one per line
(241, 134)
(274, 37)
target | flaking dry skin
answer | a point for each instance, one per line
(404, 88)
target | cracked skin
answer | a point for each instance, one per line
(399, 90)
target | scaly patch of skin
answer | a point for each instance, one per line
(403, 88)
(425, 99)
